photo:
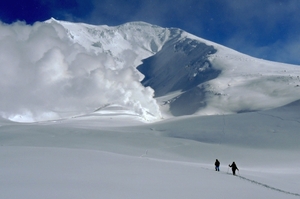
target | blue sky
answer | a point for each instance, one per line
(268, 29)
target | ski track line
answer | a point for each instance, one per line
(241, 177)
(258, 183)
(269, 187)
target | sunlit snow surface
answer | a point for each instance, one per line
(57, 69)
(117, 156)
(140, 111)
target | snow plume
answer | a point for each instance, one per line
(44, 75)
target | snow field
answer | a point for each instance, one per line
(38, 172)
(77, 158)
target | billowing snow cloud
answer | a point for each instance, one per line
(44, 75)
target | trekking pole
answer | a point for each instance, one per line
(239, 172)
(227, 169)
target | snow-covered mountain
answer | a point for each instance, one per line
(95, 78)
(150, 71)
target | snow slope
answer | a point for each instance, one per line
(57, 69)
(82, 158)
(211, 79)
(85, 85)
(208, 78)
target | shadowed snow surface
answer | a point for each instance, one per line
(86, 86)
(120, 157)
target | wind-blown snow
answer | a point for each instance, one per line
(52, 70)
(57, 69)
(98, 85)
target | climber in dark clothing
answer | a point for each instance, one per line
(217, 165)
(233, 167)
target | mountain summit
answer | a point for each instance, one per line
(145, 69)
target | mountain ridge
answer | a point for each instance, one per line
(187, 44)
(156, 72)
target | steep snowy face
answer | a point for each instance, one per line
(182, 64)
(194, 76)
(249, 84)
(128, 44)
(59, 69)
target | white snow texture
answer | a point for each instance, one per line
(141, 111)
